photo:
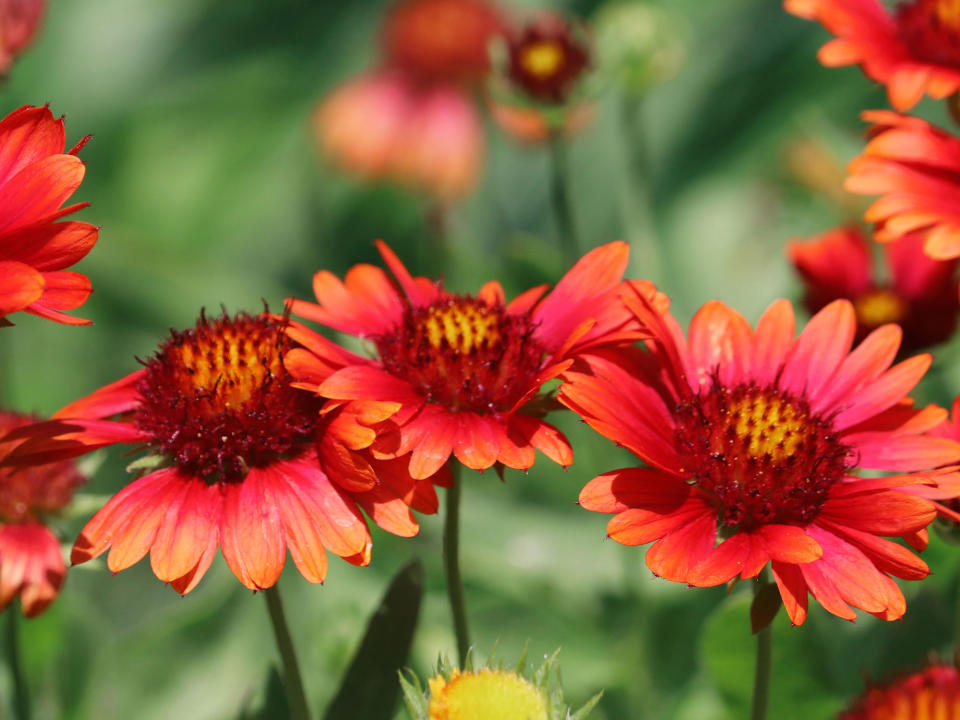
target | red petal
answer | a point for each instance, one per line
(476, 444)
(675, 556)
(793, 590)
(620, 490)
(191, 519)
(39, 190)
(252, 538)
(20, 285)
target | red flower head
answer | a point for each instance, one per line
(31, 564)
(19, 21)
(459, 374)
(916, 168)
(384, 126)
(36, 178)
(239, 453)
(441, 40)
(930, 693)
(913, 50)
(921, 295)
(753, 437)
(547, 58)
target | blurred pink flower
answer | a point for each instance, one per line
(19, 21)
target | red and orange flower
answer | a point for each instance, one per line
(458, 374)
(916, 168)
(920, 295)
(36, 178)
(931, 693)
(241, 462)
(913, 50)
(31, 564)
(753, 437)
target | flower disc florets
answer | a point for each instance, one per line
(464, 354)
(217, 399)
(931, 29)
(547, 58)
(760, 453)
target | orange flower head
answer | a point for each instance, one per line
(19, 22)
(36, 179)
(752, 443)
(912, 49)
(459, 374)
(464, 354)
(241, 462)
(441, 40)
(548, 57)
(217, 398)
(760, 452)
(31, 564)
(931, 693)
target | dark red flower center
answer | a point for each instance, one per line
(29, 491)
(759, 453)
(547, 59)
(217, 399)
(931, 29)
(464, 354)
(880, 306)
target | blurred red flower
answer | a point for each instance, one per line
(31, 564)
(920, 295)
(752, 437)
(912, 50)
(931, 693)
(36, 178)
(459, 374)
(413, 120)
(238, 463)
(916, 168)
(19, 22)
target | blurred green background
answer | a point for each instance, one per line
(205, 178)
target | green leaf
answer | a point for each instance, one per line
(275, 705)
(369, 688)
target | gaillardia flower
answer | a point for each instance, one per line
(31, 564)
(547, 59)
(19, 21)
(491, 693)
(933, 693)
(752, 438)
(920, 294)
(916, 168)
(913, 50)
(239, 463)
(459, 374)
(36, 178)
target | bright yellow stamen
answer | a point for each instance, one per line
(770, 425)
(948, 12)
(485, 695)
(879, 307)
(463, 327)
(542, 59)
(231, 366)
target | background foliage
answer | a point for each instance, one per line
(205, 180)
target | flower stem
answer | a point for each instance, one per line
(451, 563)
(560, 195)
(21, 698)
(761, 675)
(299, 709)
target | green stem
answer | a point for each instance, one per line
(21, 698)
(299, 709)
(560, 195)
(761, 676)
(451, 563)
(953, 105)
